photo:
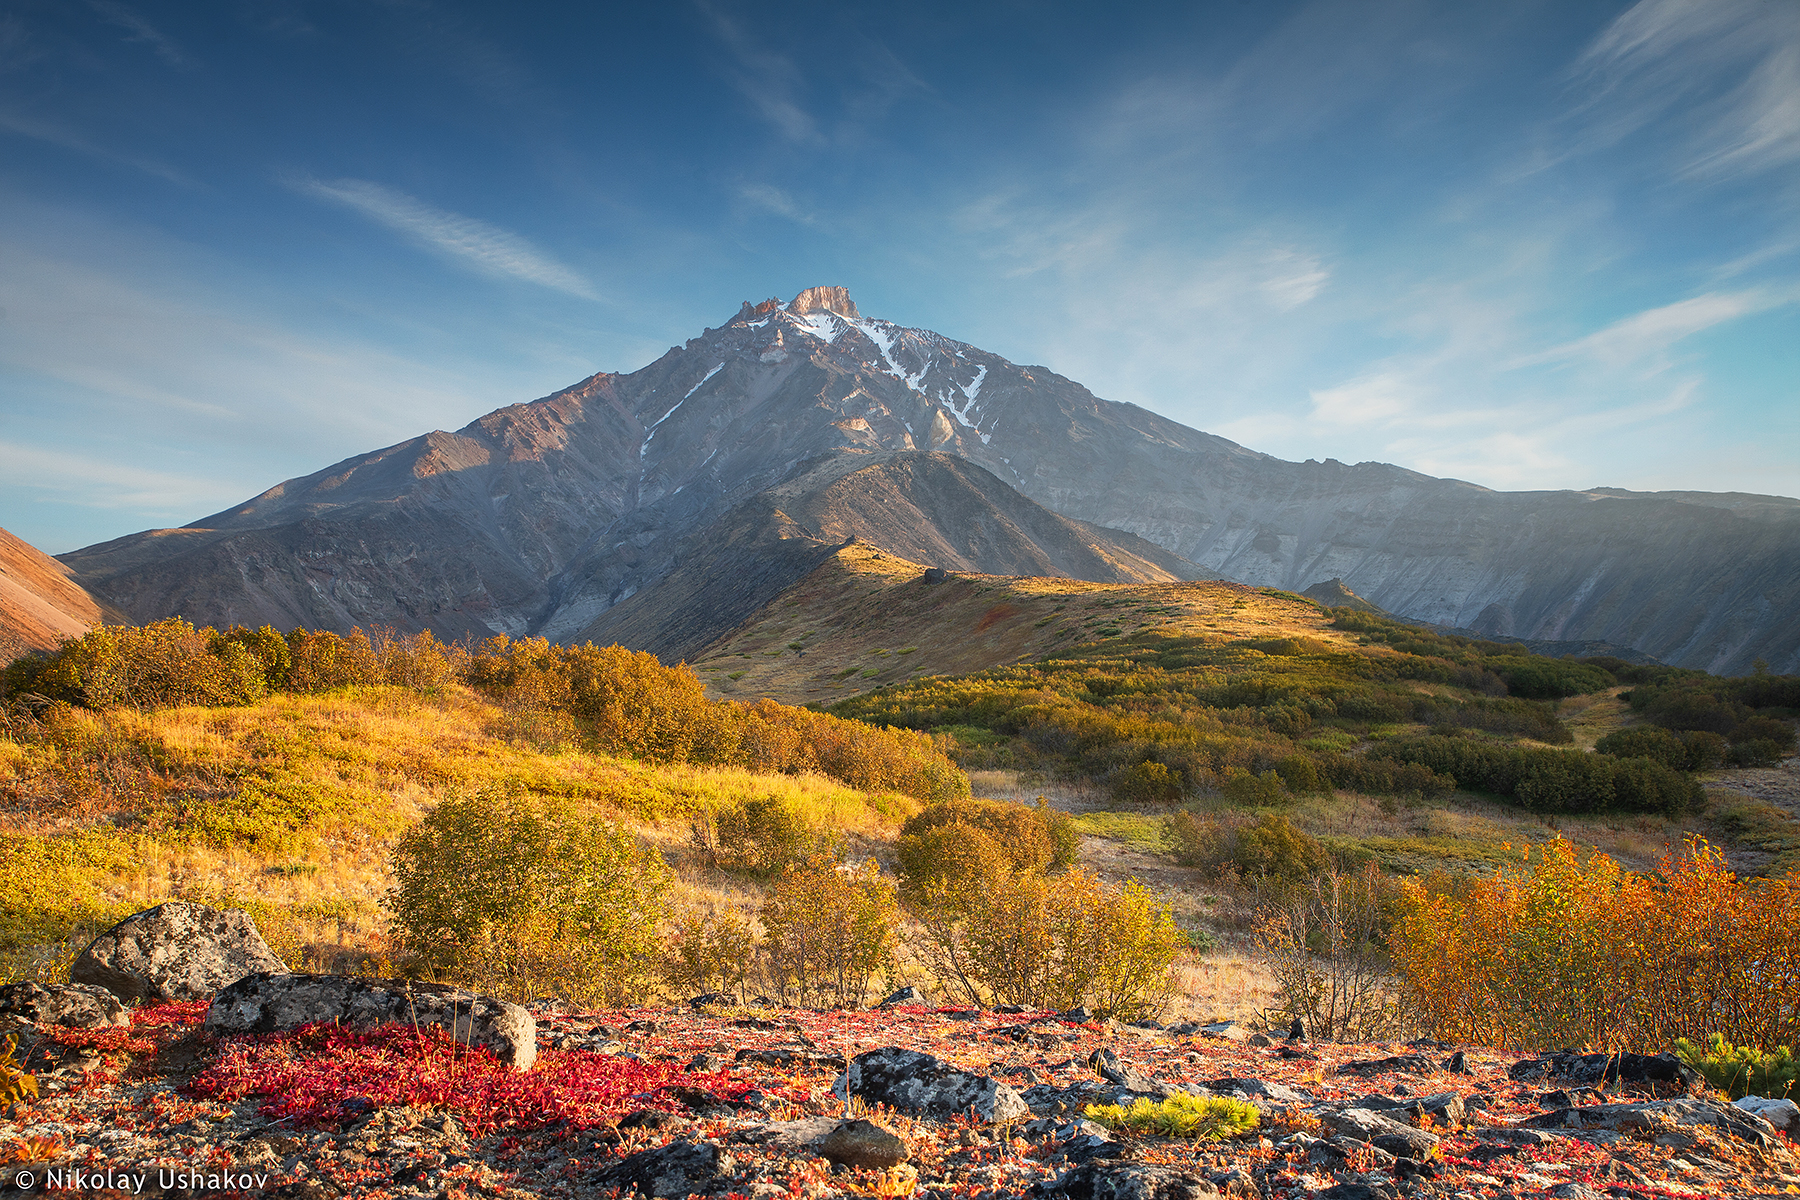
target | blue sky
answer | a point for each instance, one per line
(1532, 245)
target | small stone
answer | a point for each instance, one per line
(1297, 1031)
(906, 995)
(863, 1144)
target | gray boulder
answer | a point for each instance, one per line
(906, 1079)
(270, 1003)
(1382, 1132)
(81, 1005)
(677, 1169)
(1107, 1064)
(175, 951)
(1110, 1179)
(1784, 1115)
(1657, 1116)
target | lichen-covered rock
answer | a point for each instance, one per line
(1366, 1125)
(677, 1169)
(270, 1003)
(1109, 1179)
(863, 1144)
(1658, 1115)
(175, 951)
(1608, 1068)
(921, 1083)
(81, 1005)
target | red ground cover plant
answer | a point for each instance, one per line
(329, 1075)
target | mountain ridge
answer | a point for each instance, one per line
(539, 517)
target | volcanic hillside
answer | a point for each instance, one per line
(540, 517)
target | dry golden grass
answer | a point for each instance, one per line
(867, 618)
(290, 808)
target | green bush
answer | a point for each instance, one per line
(1025, 836)
(1646, 741)
(529, 896)
(761, 835)
(1268, 849)
(1208, 1119)
(1741, 1071)
(1147, 782)
(1553, 780)
(1255, 791)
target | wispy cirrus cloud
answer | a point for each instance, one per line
(1643, 338)
(141, 30)
(486, 248)
(1726, 71)
(771, 81)
(768, 196)
(54, 134)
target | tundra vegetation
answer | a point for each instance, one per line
(584, 822)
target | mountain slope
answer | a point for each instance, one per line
(540, 517)
(926, 508)
(39, 604)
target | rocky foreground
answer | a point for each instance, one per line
(722, 1100)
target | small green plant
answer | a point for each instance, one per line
(1741, 1071)
(735, 675)
(1201, 1119)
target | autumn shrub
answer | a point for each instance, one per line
(1147, 782)
(529, 896)
(1325, 945)
(1248, 790)
(709, 951)
(1035, 838)
(760, 835)
(1558, 781)
(1054, 942)
(1563, 949)
(831, 932)
(322, 661)
(164, 663)
(1267, 849)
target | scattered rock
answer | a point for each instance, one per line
(1297, 1031)
(1608, 1068)
(706, 1062)
(82, 1005)
(1263, 1088)
(921, 1083)
(1784, 1115)
(650, 1118)
(1107, 1064)
(1109, 1179)
(713, 1000)
(269, 1003)
(787, 1135)
(906, 995)
(936, 574)
(1079, 1015)
(1410, 1064)
(1261, 1040)
(1366, 1125)
(790, 1059)
(1458, 1064)
(1229, 1031)
(1657, 1116)
(677, 1169)
(863, 1144)
(175, 951)
(1574, 1191)
(1442, 1107)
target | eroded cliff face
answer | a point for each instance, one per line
(39, 604)
(541, 517)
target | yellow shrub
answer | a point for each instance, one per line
(830, 931)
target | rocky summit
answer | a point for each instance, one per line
(540, 518)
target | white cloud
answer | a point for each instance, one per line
(1644, 337)
(1725, 72)
(1294, 278)
(143, 31)
(90, 481)
(489, 249)
(770, 81)
(772, 198)
(54, 134)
